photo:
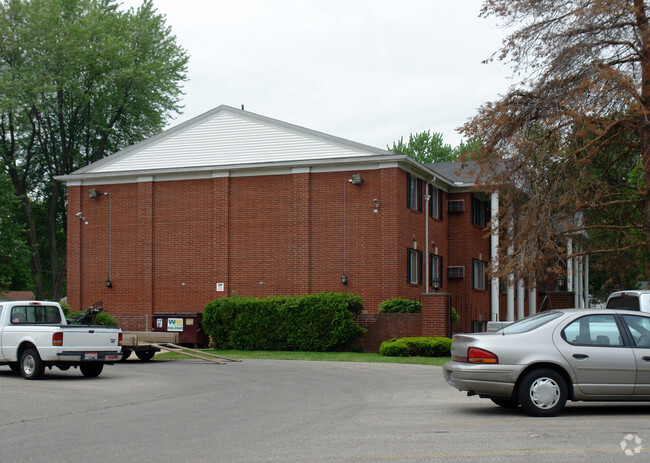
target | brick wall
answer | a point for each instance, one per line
(560, 300)
(168, 245)
(384, 326)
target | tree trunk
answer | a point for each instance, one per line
(57, 270)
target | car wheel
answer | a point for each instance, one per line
(145, 355)
(90, 370)
(542, 392)
(506, 403)
(31, 365)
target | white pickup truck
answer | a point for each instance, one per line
(35, 335)
(633, 299)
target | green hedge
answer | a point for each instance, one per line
(320, 322)
(416, 347)
(399, 305)
(102, 318)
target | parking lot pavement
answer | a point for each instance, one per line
(293, 411)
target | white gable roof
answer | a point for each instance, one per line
(227, 136)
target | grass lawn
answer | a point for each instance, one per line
(316, 356)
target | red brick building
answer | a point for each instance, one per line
(236, 203)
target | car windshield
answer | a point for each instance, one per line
(530, 323)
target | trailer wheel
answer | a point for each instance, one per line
(90, 370)
(31, 365)
(145, 355)
(126, 353)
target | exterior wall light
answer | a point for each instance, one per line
(435, 284)
(344, 279)
(93, 193)
(356, 179)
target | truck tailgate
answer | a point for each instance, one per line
(90, 338)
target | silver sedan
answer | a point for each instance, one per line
(544, 360)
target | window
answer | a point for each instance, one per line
(414, 267)
(413, 192)
(480, 212)
(530, 323)
(593, 330)
(623, 302)
(435, 269)
(435, 202)
(639, 328)
(35, 314)
(479, 275)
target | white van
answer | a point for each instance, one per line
(630, 300)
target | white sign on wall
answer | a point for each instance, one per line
(174, 324)
(221, 287)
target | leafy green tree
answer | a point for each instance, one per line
(14, 254)
(427, 148)
(79, 79)
(568, 147)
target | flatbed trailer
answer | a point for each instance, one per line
(145, 343)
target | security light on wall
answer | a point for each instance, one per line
(356, 180)
(93, 193)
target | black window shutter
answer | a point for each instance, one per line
(408, 190)
(419, 183)
(440, 209)
(408, 266)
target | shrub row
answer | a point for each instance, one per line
(416, 347)
(319, 322)
(102, 318)
(399, 305)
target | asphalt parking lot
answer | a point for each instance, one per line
(293, 411)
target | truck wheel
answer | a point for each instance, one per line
(145, 355)
(543, 392)
(91, 370)
(126, 353)
(31, 365)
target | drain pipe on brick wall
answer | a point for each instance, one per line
(427, 198)
(357, 181)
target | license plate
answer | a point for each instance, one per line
(451, 378)
(90, 356)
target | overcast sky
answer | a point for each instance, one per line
(369, 71)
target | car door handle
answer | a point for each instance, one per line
(646, 358)
(580, 356)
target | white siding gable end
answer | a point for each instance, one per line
(230, 137)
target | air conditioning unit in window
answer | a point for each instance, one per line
(456, 271)
(456, 205)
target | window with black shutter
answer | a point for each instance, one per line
(413, 192)
(414, 267)
(435, 269)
